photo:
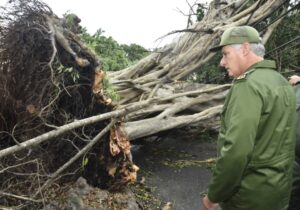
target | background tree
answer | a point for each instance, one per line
(113, 55)
(134, 52)
(283, 45)
(110, 52)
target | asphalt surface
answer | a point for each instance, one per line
(171, 166)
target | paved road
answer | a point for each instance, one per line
(174, 171)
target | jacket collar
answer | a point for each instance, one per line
(263, 64)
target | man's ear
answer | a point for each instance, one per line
(246, 48)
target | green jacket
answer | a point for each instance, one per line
(295, 196)
(256, 142)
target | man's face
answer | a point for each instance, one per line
(232, 60)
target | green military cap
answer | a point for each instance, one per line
(238, 35)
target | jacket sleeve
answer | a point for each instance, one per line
(236, 140)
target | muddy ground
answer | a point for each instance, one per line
(174, 169)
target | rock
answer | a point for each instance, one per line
(85, 197)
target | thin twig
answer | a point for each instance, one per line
(19, 197)
(17, 165)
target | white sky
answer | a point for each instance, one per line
(127, 21)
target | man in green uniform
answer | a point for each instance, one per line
(257, 135)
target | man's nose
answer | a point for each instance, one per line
(222, 62)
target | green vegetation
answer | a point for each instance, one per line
(113, 56)
(73, 74)
(201, 10)
(209, 163)
(134, 52)
(110, 91)
(145, 194)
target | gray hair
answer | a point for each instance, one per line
(257, 48)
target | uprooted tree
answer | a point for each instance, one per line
(57, 118)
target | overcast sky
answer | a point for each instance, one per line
(127, 21)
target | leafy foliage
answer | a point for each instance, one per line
(110, 91)
(113, 55)
(134, 52)
(201, 10)
(68, 71)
